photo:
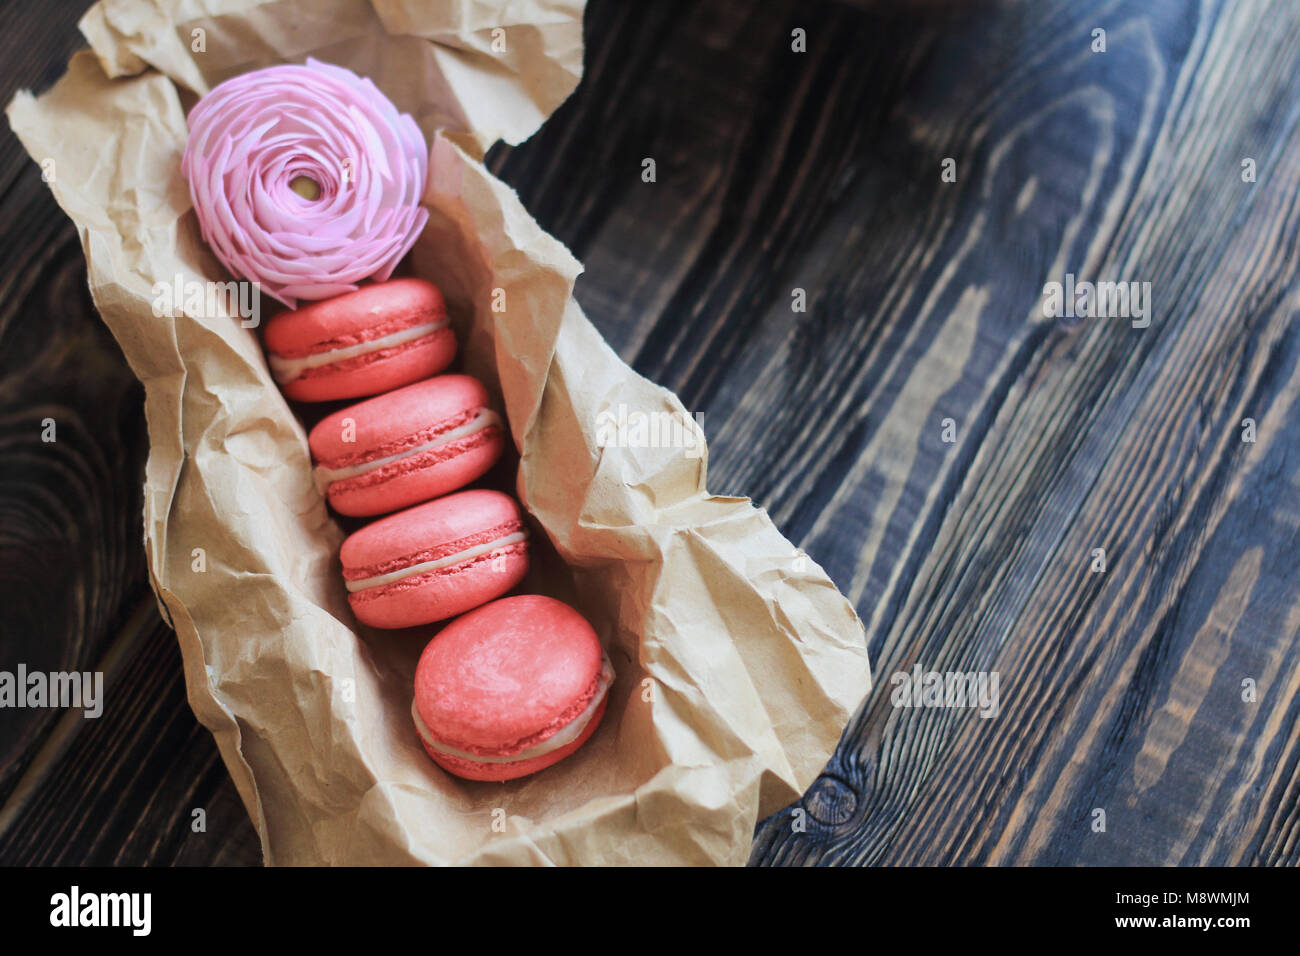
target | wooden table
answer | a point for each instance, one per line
(965, 548)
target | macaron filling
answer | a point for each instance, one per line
(483, 419)
(286, 370)
(437, 564)
(561, 738)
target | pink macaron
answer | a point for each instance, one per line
(410, 445)
(435, 560)
(377, 338)
(510, 688)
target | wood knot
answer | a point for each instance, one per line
(830, 801)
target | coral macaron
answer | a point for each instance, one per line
(510, 688)
(435, 560)
(377, 338)
(410, 445)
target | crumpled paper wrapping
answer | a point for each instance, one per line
(738, 661)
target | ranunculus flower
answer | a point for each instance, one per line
(305, 179)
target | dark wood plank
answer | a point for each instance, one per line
(70, 536)
(124, 789)
(73, 589)
(823, 173)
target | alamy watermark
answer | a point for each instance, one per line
(621, 427)
(208, 299)
(75, 908)
(955, 689)
(59, 689)
(1098, 300)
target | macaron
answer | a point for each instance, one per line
(510, 688)
(377, 338)
(435, 560)
(406, 446)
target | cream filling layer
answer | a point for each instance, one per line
(484, 419)
(287, 369)
(562, 738)
(469, 554)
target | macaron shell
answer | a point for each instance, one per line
(368, 550)
(352, 318)
(424, 533)
(374, 304)
(377, 372)
(444, 593)
(425, 477)
(500, 772)
(505, 677)
(393, 416)
(386, 425)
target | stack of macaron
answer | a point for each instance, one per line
(513, 684)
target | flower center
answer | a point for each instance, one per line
(306, 187)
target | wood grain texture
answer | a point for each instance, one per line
(1121, 691)
(73, 589)
(124, 789)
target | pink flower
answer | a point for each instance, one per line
(305, 179)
